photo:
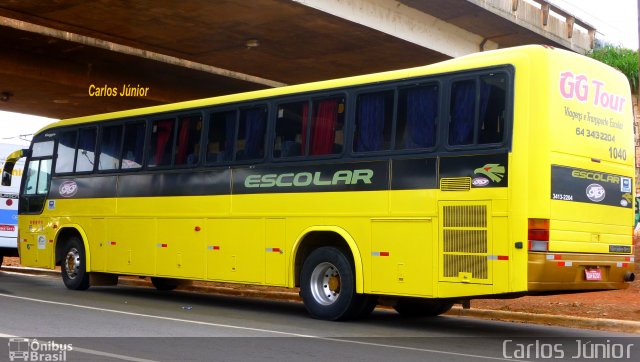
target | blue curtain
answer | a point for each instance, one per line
(255, 125)
(485, 95)
(370, 123)
(422, 111)
(463, 97)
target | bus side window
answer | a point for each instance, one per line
(110, 148)
(462, 112)
(188, 141)
(31, 182)
(374, 121)
(161, 143)
(66, 151)
(417, 117)
(327, 124)
(44, 177)
(222, 128)
(492, 108)
(289, 136)
(85, 157)
(38, 177)
(251, 133)
(132, 150)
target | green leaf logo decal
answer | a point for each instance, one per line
(493, 171)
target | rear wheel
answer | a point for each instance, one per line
(165, 284)
(413, 307)
(327, 286)
(73, 265)
(1, 259)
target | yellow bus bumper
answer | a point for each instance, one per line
(566, 271)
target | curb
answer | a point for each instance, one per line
(285, 294)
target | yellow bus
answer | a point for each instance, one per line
(502, 173)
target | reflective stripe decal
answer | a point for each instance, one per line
(380, 253)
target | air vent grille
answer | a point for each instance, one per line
(455, 184)
(465, 241)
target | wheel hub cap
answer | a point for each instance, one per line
(72, 263)
(325, 283)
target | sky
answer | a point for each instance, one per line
(615, 20)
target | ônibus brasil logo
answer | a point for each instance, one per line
(495, 172)
(25, 349)
(68, 189)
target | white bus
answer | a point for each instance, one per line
(9, 207)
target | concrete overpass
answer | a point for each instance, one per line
(53, 52)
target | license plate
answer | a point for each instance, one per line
(593, 274)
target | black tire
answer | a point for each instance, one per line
(1, 260)
(74, 265)
(327, 286)
(421, 308)
(165, 284)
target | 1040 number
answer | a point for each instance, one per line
(618, 153)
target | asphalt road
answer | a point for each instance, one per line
(142, 324)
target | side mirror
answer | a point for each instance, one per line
(6, 175)
(9, 163)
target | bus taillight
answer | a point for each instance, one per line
(538, 234)
(9, 202)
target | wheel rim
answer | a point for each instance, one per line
(72, 263)
(325, 283)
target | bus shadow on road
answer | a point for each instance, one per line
(215, 307)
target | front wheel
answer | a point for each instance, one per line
(327, 285)
(74, 265)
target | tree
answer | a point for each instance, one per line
(623, 59)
